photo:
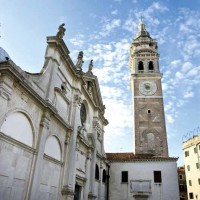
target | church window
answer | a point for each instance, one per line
(180, 176)
(191, 195)
(97, 172)
(157, 177)
(140, 66)
(124, 177)
(188, 167)
(195, 150)
(148, 111)
(199, 181)
(104, 176)
(151, 67)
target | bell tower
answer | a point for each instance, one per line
(149, 130)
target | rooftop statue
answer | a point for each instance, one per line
(61, 31)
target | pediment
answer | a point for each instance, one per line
(92, 88)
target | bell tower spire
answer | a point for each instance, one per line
(149, 130)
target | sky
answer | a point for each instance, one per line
(104, 30)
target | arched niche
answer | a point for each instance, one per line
(140, 66)
(52, 147)
(18, 126)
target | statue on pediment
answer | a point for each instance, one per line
(61, 31)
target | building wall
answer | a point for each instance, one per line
(140, 183)
(191, 151)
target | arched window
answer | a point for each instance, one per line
(104, 176)
(97, 172)
(140, 66)
(151, 67)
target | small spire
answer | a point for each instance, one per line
(90, 67)
(142, 32)
(61, 31)
(79, 61)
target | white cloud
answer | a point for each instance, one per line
(169, 119)
(109, 26)
(179, 75)
(188, 94)
(186, 66)
(114, 12)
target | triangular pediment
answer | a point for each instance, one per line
(91, 86)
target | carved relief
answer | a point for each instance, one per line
(77, 99)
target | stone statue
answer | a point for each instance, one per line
(90, 67)
(83, 131)
(79, 61)
(61, 31)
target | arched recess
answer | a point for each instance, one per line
(140, 66)
(151, 66)
(87, 114)
(18, 126)
(53, 147)
(97, 172)
(104, 176)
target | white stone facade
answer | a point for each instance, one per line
(51, 129)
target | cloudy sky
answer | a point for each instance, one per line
(103, 30)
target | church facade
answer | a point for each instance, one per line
(52, 130)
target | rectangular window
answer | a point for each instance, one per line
(188, 167)
(199, 181)
(191, 195)
(180, 176)
(197, 165)
(124, 177)
(195, 150)
(157, 177)
(186, 153)
(190, 183)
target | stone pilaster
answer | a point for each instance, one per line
(5, 94)
(87, 175)
(43, 133)
(68, 188)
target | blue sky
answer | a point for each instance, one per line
(104, 29)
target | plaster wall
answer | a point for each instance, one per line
(141, 172)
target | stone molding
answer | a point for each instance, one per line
(5, 90)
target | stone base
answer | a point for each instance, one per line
(92, 196)
(67, 193)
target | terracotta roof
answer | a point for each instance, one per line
(129, 156)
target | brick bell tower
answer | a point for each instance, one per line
(149, 130)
